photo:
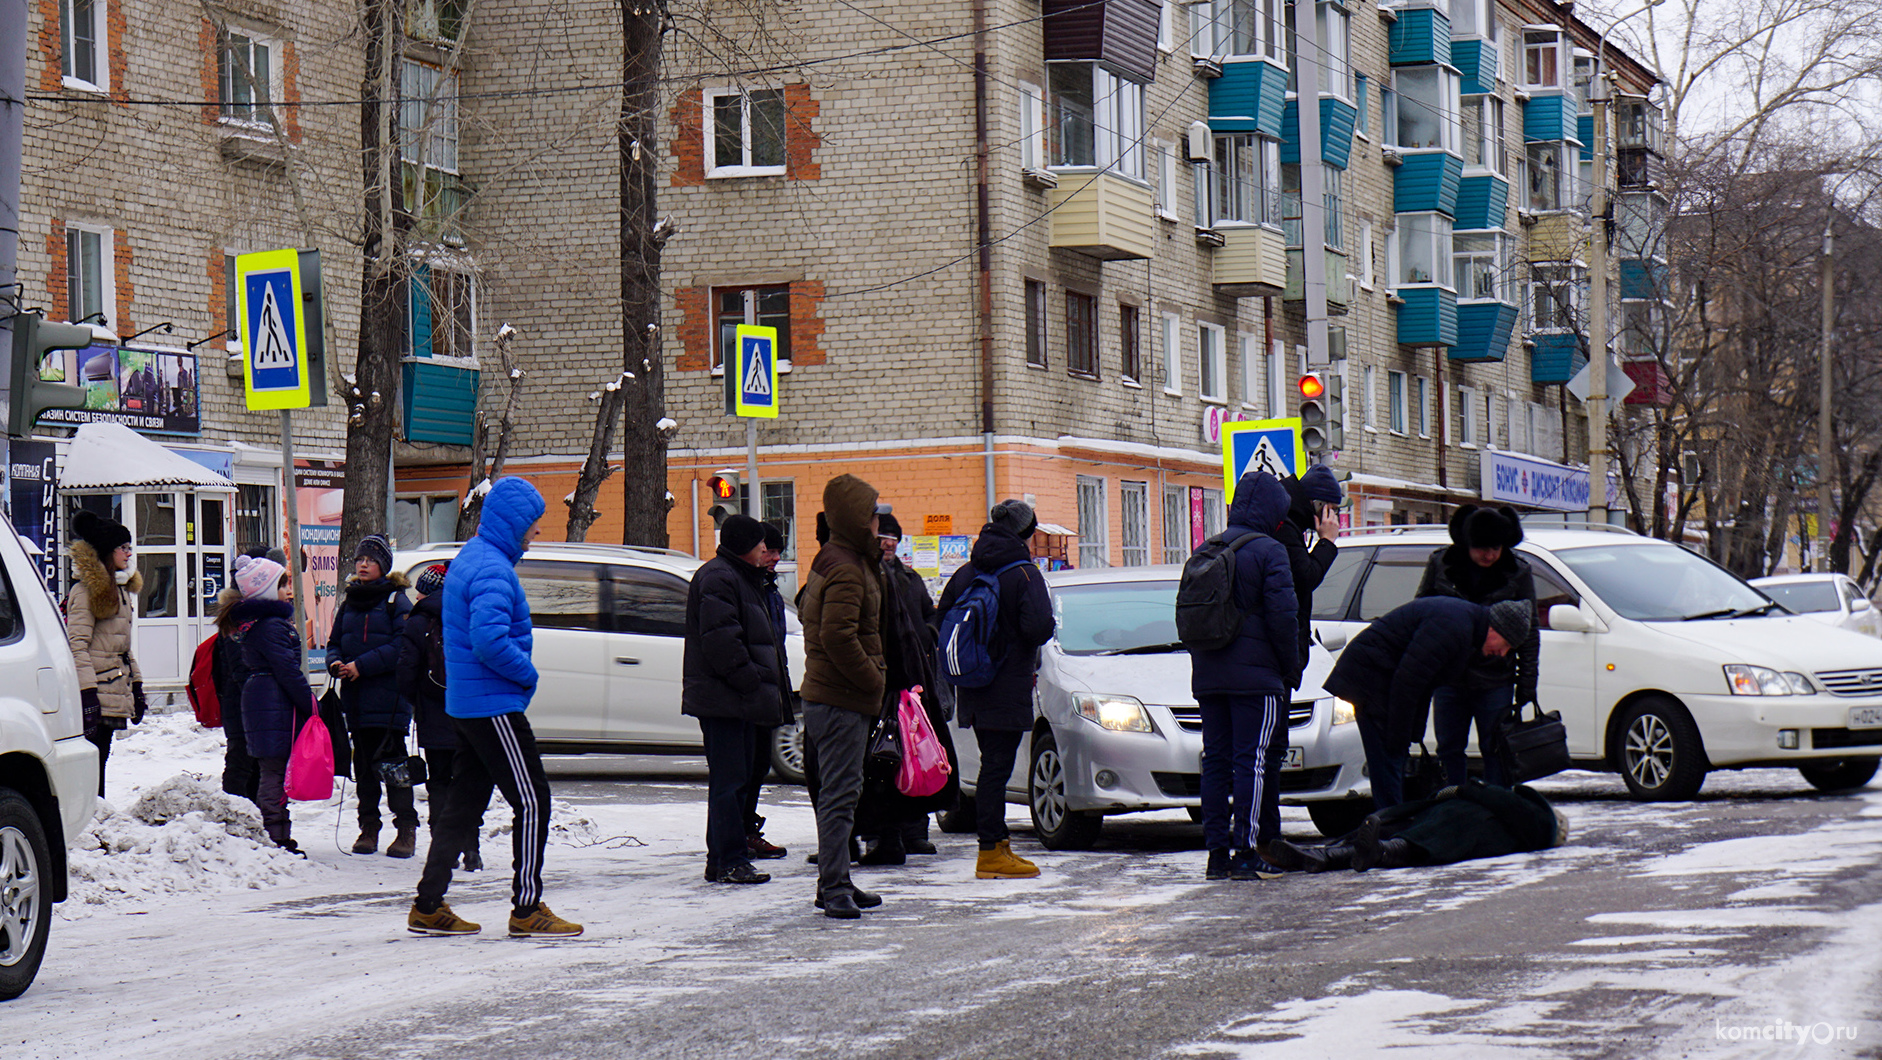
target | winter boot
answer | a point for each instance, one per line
(541, 923)
(368, 841)
(1218, 868)
(1365, 840)
(1001, 863)
(442, 922)
(840, 906)
(887, 851)
(404, 844)
(742, 874)
(1247, 865)
(862, 898)
(1286, 855)
(1398, 854)
(472, 861)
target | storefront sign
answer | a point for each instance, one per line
(1213, 417)
(1196, 531)
(32, 494)
(151, 390)
(1535, 483)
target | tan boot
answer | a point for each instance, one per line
(1001, 863)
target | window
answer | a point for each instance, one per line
(1473, 18)
(1395, 401)
(1094, 547)
(1245, 171)
(747, 132)
(1209, 28)
(255, 516)
(1483, 135)
(1369, 381)
(1335, 198)
(1097, 119)
(1421, 405)
(1134, 507)
(1362, 99)
(647, 603)
(1129, 336)
(779, 501)
(1637, 123)
(1388, 116)
(1211, 361)
(1335, 56)
(428, 133)
(1424, 249)
(566, 595)
(1427, 111)
(1640, 329)
(81, 60)
(1166, 181)
(90, 277)
(1542, 58)
(1277, 379)
(768, 307)
(435, 20)
(1393, 579)
(1466, 416)
(443, 313)
(1545, 176)
(1081, 334)
(1032, 127)
(1254, 371)
(1583, 81)
(1481, 259)
(1274, 35)
(1214, 514)
(422, 520)
(1175, 524)
(1172, 354)
(1366, 266)
(1036, 323)
(246, 77)
(1555, 298)
(1166, 26)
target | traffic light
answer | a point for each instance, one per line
(1336, 411)
(1313, 412)
(30, 396)
(723, 485)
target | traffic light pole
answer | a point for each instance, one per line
(1313, 190)
(751, 468)
(12, 131)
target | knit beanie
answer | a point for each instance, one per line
(102, 534)
(432, 579)
(1511, 618)
(774, 538)
(889, 526)
(258, 579)
(1014, 515)
(376, 548)
(1320, 485)
(740, 534)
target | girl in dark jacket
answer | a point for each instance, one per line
(421, 683)
(363, 654)
(231, 673)
(275, 698)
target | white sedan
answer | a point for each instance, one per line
(1833, 599)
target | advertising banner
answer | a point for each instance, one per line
(1536, 483)
(926, 554)
(320, 490)
(954, 550)
(152, 390)
(32, 498)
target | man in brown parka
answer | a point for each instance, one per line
(844, 679)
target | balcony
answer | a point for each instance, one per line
(1556, 358)
(1483, 332)
(1427, 181)
(1639, 168)
(1248, 97)
(1642, 280)
(440, 401)
(1422, 35)
(1482, 202)
(1476, 59)
(1121, 34)
(1102, 215)
(1559, 236)
(1584, 131)
(1339, 285)
(1338, 119)
(1428, 317)
(1251, 262)
(1550, 116)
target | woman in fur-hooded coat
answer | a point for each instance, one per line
(98, 614)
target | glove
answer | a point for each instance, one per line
(138, 703)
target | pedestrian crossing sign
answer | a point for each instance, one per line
(1261, 445)
(752, 381)
(273, 330)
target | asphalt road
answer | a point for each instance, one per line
(1659, 930)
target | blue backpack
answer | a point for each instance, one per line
(967, 655)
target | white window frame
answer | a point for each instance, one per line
(1171, 343)
(1254, 369)
(1175, 518)
(1571, 279)
(1367, 273)
(100, 46)
(1421, 404)
(1333, 31)
(1032, 126)
(1465, 263)
(1368, 380)
(1563, 61)
(1274, 400)
(226, 69)
(1434, 229)
(1094, 550)
(743, 167)
(1447, 82)
(1395, 402)
(1133, 522)
(1166, 27)
(1466, 417)
(1214, 512)
(1492, 139)
(1212, 361)
(107, 282)
(1167, 171)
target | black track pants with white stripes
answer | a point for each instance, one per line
(499, 751)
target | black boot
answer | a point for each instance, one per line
(864, 899)
(841, 906)
(1285, 855)
(887, 851)
(1398, 854)
(1365, 840)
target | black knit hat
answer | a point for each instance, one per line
(889, 526)
(1015, 516)
(102, 534)
(740, 534)
(1512, 618)
(376, 548)
(433, 579)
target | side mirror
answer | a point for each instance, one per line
(1567, 618)
(1861, 604)
(1331, 640)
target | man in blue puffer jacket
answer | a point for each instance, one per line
(1242, 688)
(489, 680)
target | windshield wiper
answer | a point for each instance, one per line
(1146, 649)
(1758, 610)
(1722, 613)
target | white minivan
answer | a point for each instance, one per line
(1663, 664)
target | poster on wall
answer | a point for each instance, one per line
(319, 491)
(954, 553)
(146, 389)
(32, 498)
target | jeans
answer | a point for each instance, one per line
(1236, 734)
(371, 745)
(841, 738)
(1453, 710)
(728, 772)
(498, 751)
(755, 783)
(998, 749)
(1384, 762)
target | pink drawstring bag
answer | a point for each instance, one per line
(925, 766)
(310, 763)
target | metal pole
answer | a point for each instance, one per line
(1597, 404)
(294, 530)
(1824, 402)
(983, 235)
(12, 131)
(751, 468)
(1313, 184)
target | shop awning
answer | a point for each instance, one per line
(112, 458)
(1055, 530)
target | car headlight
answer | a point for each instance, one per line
(1764, 681)
(1117, 713)
(1344, 713)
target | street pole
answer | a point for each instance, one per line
(751, 468)
(1313, 186)
(12, 133)
(294, 526)
(1597, 404)
(1822, 556)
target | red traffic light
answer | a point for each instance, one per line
(723, 487)
(1311, 387)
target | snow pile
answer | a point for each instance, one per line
(181, 837)
(567, 825)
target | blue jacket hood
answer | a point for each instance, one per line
(1260, 502)
(510, 507)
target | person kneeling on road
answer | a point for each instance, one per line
(1472, 820)
(1392, 667)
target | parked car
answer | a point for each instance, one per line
(1833, 599)
(610, 627)
(1663, 664)
(48, 770)
(1117, 730)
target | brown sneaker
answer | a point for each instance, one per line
(1001, 863)
(442, 922)
(542, 924)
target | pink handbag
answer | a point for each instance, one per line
(925, 766)
(310, 763)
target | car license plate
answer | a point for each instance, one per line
(1293, 759)
(1865, 717)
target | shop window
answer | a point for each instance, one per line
(1175, 524)
(1094, 546)
(780, 510)
(1134, 508)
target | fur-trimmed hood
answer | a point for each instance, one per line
(99, 583)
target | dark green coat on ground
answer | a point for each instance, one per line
(1474, 820)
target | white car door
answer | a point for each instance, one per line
(646, 652)
(571, 644)
(1566, 676)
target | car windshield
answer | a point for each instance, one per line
(1804, 596)
(1661, 583)
(1115, 616)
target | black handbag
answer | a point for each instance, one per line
(398, 769)
(1532, 748)
(885, 749)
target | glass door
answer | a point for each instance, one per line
(166, 601)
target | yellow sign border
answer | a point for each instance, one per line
(272, 261)
(739, 407)
(1230, 430)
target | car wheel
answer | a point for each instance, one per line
(787, 752)
(960, 820)
(1057, 825)
(1336, 817)
(25, 894)
(1839, 774)
(1660, 753)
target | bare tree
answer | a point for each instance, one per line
(483, 448)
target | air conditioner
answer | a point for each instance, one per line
(1201, 142)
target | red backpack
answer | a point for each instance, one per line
(202, 686)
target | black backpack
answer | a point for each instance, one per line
(1207, 616)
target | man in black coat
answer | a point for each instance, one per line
(1313, 505)
(1462, 823)
(1001, 713)
(1389, 671)
(732, 680)
(1481, 565)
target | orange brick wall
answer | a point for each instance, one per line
(49, 45)
(800, 136)
(696, 326)
(121, 252)
(801, 140)
(55, 278)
